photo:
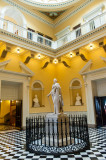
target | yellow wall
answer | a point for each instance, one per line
(64, 76)
(78, 17)
(5, 109)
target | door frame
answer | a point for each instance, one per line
(24, 79)
(89, 77)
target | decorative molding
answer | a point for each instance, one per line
(27, 43)
(48, 4)
(72, 13)
(103, 58)
(4, 63)
(15, 73)
(29, 12)
(34, 46)
(63, 32)
(86, 67)
(25, 69)
(94, 71)
(38, 81)
(45, 21)
(97, 10)
(93, 75)
(95, 34)
(75, 79)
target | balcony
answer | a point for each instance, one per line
(92, 25)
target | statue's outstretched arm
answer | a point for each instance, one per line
(49, 93)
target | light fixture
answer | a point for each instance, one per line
(91, 46)
(39, 56)
(71, 54)
(55, 61)
(1, 101)
(18, 50)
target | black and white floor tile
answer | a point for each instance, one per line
(12, 148)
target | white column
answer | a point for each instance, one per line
(10, 27)
(1, 24)
(25, 110)
(90, 103)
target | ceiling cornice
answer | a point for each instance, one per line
(56, 24)
(29, 12)
(49, 5)
(66, 17)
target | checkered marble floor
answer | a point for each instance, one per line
(12, 148)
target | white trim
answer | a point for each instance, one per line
(38, 81)
(103, 58)
(94, 71)
(25, 81)
(15, 73)
(93, 13)
(26, 69)
(86, 67)
(75, 79)
(89, 77)
(48, 4)
(53, 25)
(17, 16)
(63, 32)
(4, 63)
(29, 12)
(66, 17)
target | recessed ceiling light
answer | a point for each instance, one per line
(55, 61)
(18, 50)
(71, 54)
(91, 46)
(39, 56)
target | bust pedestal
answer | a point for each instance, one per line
(57, 124)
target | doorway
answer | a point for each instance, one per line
(100, 108)
(99, 93)
(11, 114)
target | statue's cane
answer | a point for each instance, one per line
(49, 103)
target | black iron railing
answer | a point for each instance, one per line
(47, 136)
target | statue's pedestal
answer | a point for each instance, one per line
(57, 125)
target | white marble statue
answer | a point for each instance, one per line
(56, 97)
(78, 100)
(36, 101)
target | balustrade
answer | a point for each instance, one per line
(35, 37)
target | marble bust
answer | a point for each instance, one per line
(36, 101)
(78, 100)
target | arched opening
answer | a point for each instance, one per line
(13, 20)
(37, 94)
(75, 92)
